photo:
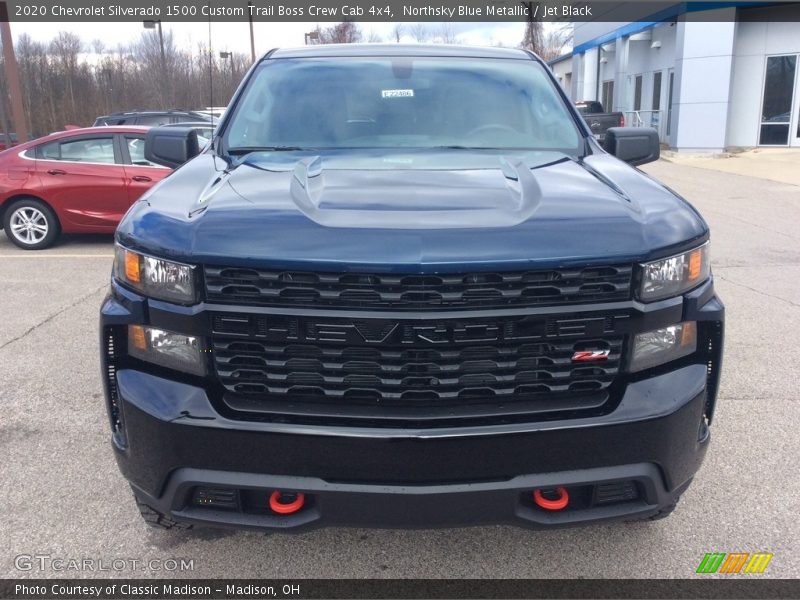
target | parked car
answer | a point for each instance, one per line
(407, 287)
(77, 181)
(598, 120)
(152, 117)
(205, 131)
(214, 112)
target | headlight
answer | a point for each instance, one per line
(155, 277)
(674, 275)
(659, 346)
(168, 349)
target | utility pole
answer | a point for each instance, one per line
(12, 77)
(252, 38)
(4, 124)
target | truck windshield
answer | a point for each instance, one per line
(400, 102)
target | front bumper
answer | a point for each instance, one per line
(174, 441)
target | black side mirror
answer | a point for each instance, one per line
(171, 146)
(634, 145)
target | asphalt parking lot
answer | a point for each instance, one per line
(63, 496)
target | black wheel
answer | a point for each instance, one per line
(31, 224)
(157, 520)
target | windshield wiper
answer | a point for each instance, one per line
(457, 147)
(240, 150)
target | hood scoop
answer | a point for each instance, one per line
(416, 198)
(208, 193)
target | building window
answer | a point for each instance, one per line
(669, 101)
(657, 90)
(776, 108)
(608, 95)
(637, 93)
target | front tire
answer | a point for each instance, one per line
(31, 224)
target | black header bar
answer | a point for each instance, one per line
(208, 589)
(319, 11)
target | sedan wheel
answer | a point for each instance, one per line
(30, 224)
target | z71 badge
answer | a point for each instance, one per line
(590, 355)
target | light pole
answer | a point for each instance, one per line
(252, 37)
(151, 24)
(229, 56)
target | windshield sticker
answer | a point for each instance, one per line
(397, 93)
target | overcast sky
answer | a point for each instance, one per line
(236, 36)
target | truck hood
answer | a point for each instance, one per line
(386, 211)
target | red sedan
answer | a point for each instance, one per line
(78, 181)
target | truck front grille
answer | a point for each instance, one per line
(269, 287)
(415, 370)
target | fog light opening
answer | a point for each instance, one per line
(286, 503)
(551, 498)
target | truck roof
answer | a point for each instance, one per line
(389, 49)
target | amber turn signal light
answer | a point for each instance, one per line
(133, 269)
(695, 264)
(138, 340)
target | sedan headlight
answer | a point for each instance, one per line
(674, 275)
(166, 348)
(155, 277)
(659, 346)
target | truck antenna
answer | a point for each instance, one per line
(210, 68)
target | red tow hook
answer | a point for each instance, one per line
(286, 503)
(558, 498)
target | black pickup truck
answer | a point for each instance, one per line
(405, 286)
(598, 120)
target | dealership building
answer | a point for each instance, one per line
(707, 81)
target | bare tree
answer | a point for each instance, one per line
(161, 77)
(374, 38)
(397, 32)
(347, 32)
(548, 43)
(30, 56)
(420, 32)
(65, 49)
(445, 34)
(554, 41)
(533, 39)
(60, 86)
